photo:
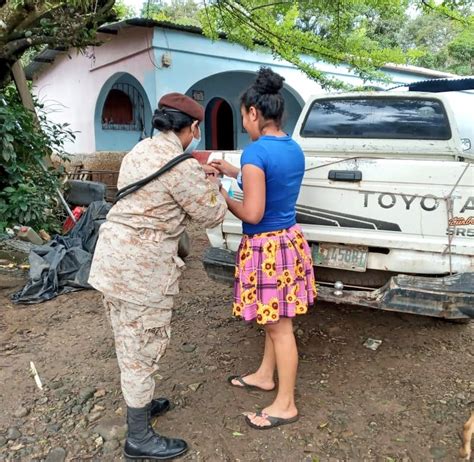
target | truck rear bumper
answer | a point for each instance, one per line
(449, 297)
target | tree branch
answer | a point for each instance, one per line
(11, 50)
(269, 5)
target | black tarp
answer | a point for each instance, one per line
(442, 85)
(63, 264)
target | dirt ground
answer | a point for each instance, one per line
(406, 401)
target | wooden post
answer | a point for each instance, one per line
(21, 84)
(19, 77)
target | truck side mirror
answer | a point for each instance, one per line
(466, 144)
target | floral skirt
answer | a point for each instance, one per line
(273, 276)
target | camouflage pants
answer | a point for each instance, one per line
(141, 335)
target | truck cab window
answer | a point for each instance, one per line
(377, 118)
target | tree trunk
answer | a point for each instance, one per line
(21, 84)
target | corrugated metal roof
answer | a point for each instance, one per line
(115, 27)
(47, 56)
(419, 70)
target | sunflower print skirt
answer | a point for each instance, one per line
(273, 276)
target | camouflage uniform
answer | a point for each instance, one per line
(136, 265)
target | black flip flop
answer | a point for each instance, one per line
(274, 421)
(244, 384)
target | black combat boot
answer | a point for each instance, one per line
(159, 406)
(143, 443)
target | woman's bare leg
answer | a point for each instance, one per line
(286, 354)
(263, 377)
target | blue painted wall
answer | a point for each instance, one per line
(219, 69)
(119, 140)
(230, 86)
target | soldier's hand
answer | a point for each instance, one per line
(214, 179)
(210, 171)
(225, 167)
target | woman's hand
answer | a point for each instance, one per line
(225, 167)
(210, 171)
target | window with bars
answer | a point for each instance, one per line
(124, 109)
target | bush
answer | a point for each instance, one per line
(28, 192)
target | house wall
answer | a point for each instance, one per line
(72, 86)
(218, 86)
(76, 86)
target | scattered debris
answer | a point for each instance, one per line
(188, 347)
(112, 428)
(56, 455)
(99, 441)
(10, 233)
(86, 395)
(97, 408)
(372, 344)
(13, 434)
(34, 372)
(44, 235)
(467, 437)
(195, 386)
(25, 233)
(17, 447)
(100, 393)
(21, 412)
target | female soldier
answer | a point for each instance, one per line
(136, 264)
(274, 278)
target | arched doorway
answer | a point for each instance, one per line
(219, 125)
(227, 87)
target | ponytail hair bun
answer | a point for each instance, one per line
(265, 95)
(268, 82)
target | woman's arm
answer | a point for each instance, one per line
(252, 208)
(225, 167)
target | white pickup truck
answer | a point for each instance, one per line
(387, 203)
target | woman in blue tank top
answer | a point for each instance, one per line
(274, 279)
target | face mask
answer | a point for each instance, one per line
(192, 146)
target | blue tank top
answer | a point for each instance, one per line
(282, 161)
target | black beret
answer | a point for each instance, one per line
(182, 103)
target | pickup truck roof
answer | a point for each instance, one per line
(361, 132)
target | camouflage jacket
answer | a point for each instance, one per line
(136, 254)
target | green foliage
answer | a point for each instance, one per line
(28, 193)
(445, 43)
(123, 11)
(183, 12)
(33, 25)
(461, 52)
(336, 32)
(362, 34)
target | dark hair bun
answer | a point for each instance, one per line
(161, 121)
(166, 119)
(268, 82)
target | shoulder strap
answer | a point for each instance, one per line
(140, 183)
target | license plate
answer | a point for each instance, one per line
(348, 257)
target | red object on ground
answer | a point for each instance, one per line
(69, 224)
